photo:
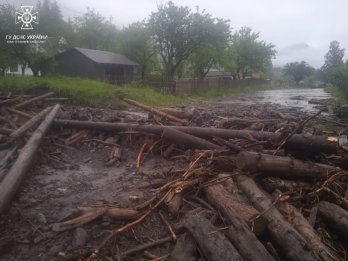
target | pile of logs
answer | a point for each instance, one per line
(20, 128)
(245, 194)
(254, 199)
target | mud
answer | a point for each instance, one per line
(63, 179)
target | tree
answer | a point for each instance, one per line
(177, 33)
(137, 44)
(252, 54)
(334, 57)
(95, 31)
(298, 71)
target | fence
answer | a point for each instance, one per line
(193, 86)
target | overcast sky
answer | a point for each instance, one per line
(300, 29)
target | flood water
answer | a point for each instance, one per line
(297, 98)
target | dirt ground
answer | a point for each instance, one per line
(66, 177)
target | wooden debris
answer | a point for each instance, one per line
(88, 214)
(146, 246)
(301, 224)
(314, 144)
(214, 246)
(30, 123)
(192, 142)
(185, 249)
(238, 232)
(335, 216)
(37, 98)
(13, 179)
(293, 245)
(229, 204)
(157, 112)
(281, 166)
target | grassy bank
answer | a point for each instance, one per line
(97, 93)
(337, 94)
(88, 92)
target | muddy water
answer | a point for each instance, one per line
(286, 97)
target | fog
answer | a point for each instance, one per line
(301, 30)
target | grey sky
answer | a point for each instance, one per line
(300, 29)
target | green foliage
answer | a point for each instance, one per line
(334, 57)
(297, 71)
(177, 33)
(337, 93)
(94, 31)
(137, 45)
(252, 54)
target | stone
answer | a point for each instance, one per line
(80, 237)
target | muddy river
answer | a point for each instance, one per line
(286, 97)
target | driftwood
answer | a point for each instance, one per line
(272, 183)
(177, 113)
(293, 245)
(281, 166)
(314, 144)
(302, 225)
(21, 113)
(146, 246)
(192, 142)
(88, 214)
(229, 204)
(30, 123)
(9, 101)
(335, 216)
(157, 112)
(239, 233)
(20, 167)
(37, 98)
(185, 249)
(212, 243)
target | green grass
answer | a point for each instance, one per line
(89, 92)
(101, 94)
(337, 94)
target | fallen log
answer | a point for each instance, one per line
(302, 225)
(241, 236)
(185, 249)
(281, 166)
(157, 112)
(313, 143)
(37, 98)
(193, 142)
(229, 204)
(30, 123)
(122, 213)
(146, 246)
(177, 113)
(293, 245)
(9, 101)
(20, 113)
(335, 216)
(14, 177)
(212, 243)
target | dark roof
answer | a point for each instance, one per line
(105, 57)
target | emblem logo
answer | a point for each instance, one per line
(26, 16)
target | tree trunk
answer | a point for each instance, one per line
(335, 216)
(301, 224)
(191, 142)
(14, 177)
(212, 243)
(185, 249)
(239, 233)
(293, 245)
(281, 166)
(313, 143)
(229, 204)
